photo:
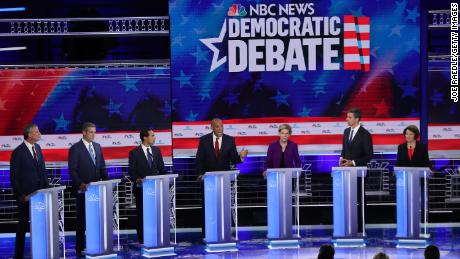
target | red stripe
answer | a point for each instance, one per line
(366, 51)
(349, 35)
(378, 139)
(444, 144)
(442, 124)
(367, 67)
(350, 50)
(60, 155)
(364, 20)
(352, 65)
(364, 36)
(286, 119)
(110, 132)
(349, 19)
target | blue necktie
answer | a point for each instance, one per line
(351, 137)
(150, 157)
(91, 153)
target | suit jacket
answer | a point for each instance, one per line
(26, 175)
(360, 150)
(138, 163)
(291, 155)
(81, 166)
(206, 160)
(419, 159)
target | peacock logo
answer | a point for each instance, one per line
(237, 10)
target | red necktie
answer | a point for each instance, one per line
(216, 147)
(35, 155)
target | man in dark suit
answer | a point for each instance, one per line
(144, 160)
(357, 149)
(86, 165)
(216, 152)
(27, 174)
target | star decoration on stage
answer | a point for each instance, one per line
(184, 20)
(413, 44)
(130, 84)
(358, 12)
(61, 123)
(113, 108)
(382, 109)
(305, 112)
(166, 110)
(412, 15)
(191, 116)
(200, 55)
(184, 80)
(408, 91)
(177, 41)
(396, 30)
(205, 94)
(209, 42)
(297, 76)
(437, 98)
(319, 89)
(400, 7)
(280, 99)
(232, 98)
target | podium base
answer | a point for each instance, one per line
(157, 252)
(283, 243)
(349, 242)
(221, 247)
(101, 256)
(411, 243)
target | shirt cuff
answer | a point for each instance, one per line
(353, 161)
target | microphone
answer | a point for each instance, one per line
(410, 147)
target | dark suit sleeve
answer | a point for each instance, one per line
(132, 167)
(399, 159)
(343, 143)
(73, 166)
(103, 168)
(368, 150)
(43, 166)
(234, 156)
(296, 156)
(15, 167)
(199, 157)
(159, 162)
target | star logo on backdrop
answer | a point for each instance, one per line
(280, 99)
(437, 98)
(178, 40)
(183, 79)
(400, 7)
(305, 112)
(209, 42)
(191, 116)
(409, 91)
(61, 123)
(382, 109)
(396, 30)
(130, 84)
(232, 98)
(166, 110)
(297, 76)
(200, 55)
(412, 15)
(205, 94)
(113, 108)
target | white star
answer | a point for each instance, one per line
(216, 62)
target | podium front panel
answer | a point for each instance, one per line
(38, 225)
(279, 205)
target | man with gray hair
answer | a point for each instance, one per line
(27, 175)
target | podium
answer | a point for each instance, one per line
(44, 222)
(345, 182)
(156, 202)
(218, 216)
(279, 207)
(99, 219)
(408, 196)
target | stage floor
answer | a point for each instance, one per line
(253, 245)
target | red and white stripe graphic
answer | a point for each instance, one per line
(444, 140)
(356, 36)
(313, 135)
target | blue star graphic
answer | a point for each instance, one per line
(200, 55)
(413, 44)
(183, 79)
(184, 20)
(216, 62)
(257, 87)
(205, 93)
(437, 98)
(232, 98)
(130, 84)
(113, 108)
(166, 110)
(357, 13)
(319, 89)
(400, 6)
(409, 91)
(178, 40)
(280, 99)
(412, 15)
(396, 30)
(305, 112)
(297, 76)
(61, 123)
(191, 116)
(336, 6)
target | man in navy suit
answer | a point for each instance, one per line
(86, 165)
(144, 160)
(27, 174)
(357, 150)
(216, 152)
